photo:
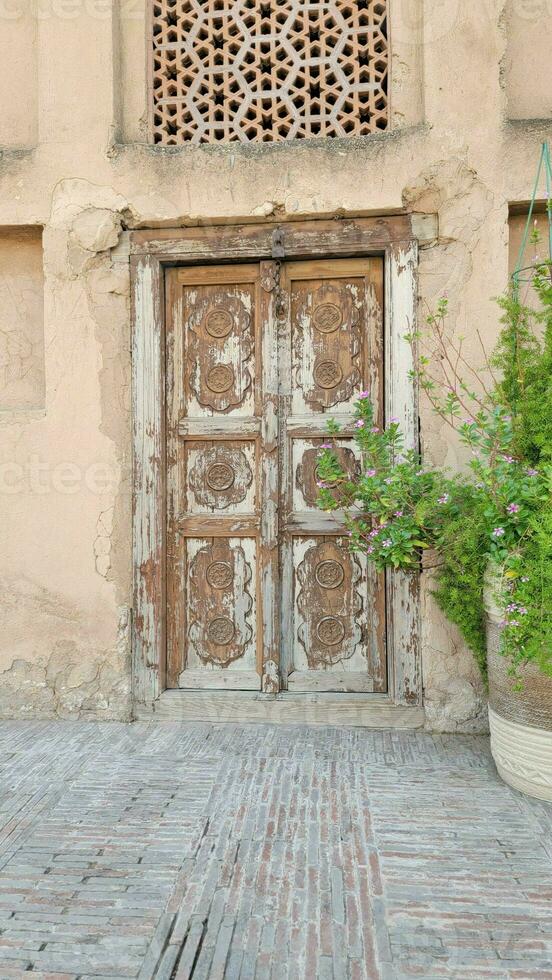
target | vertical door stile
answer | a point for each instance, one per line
(377, 637)
(403, 588)
(175, 489)
(149, 488)
(285, 493)
(269, 632)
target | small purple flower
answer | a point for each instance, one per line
(512, 508)
(387, 543)
(374, 533)
(321, 484)
(522, 611)
(364, 394)
(370, 472)
(326, 445)
(369, 549)
(498, 532)
(399, 513)
(388, 480)
(444, 499)
(375, 428)
(393, 421)
(359, 424)
(509, 459)
(531, 472)
(469, 421)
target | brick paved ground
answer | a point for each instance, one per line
(177, 851)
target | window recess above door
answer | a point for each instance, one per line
(267, 71)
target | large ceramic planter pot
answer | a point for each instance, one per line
(520, 721)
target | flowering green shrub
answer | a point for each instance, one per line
(389, 508)
(499, 511)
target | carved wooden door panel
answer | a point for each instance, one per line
(221, 471)
(333, 605)
(258, 358)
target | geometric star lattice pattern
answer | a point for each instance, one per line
(253, 71)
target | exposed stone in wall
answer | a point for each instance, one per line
(96, 229)
(452, 190)
(452, 704)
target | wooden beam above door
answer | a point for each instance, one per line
(301, 239)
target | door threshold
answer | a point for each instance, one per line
(250, 707)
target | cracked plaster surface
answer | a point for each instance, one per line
(60, 665)
(454, 694)
(64, 655)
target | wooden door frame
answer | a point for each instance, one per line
(151, 252)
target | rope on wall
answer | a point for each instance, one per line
(523, 273)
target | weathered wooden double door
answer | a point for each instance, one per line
(262, 591)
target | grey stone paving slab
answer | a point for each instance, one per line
(197, 851)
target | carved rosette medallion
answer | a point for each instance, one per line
(219, 477)
(220, 378)
(219, 345)
(329, 574)
(330, 631)
(327, 374)
(218, 322)
(327, 317)
(329, 604)
(220, 604)
(327, 322)
(221, 630)
(220, 574)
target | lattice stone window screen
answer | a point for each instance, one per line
(252, 71)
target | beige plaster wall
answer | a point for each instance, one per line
(527, 59)
(18, 74)
(65, 557)
(21, 319)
